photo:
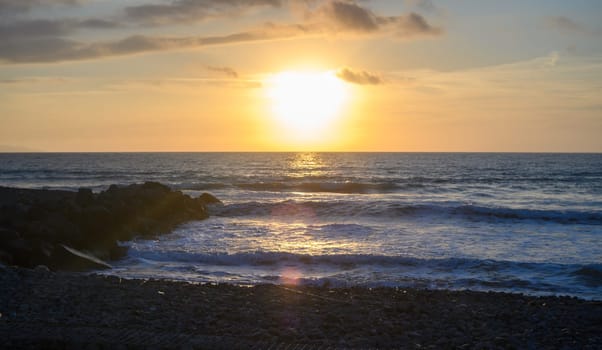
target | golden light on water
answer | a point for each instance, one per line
(293, 210)
(306, 103)
(307, 164)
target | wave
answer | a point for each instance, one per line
(308, 184)
(373, 270)
(590, 274)
(387, 209)
(333, 187)
(271, 258)
(335, 184)
(327, 187)
(351, 261)
(345, 261)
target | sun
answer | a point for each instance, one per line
(305, 102)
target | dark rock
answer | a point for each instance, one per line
(11, 244)
(84, 197)
(94, 219)
(117, 252)
(8, 235)
(36, 224)
(155, 188)
(207, 198)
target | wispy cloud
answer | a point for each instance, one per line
(57, 49)
(52, 40)
(36, 80)
(349, 16)
(187, 11)
(180, 84)
(224, 70)
(360, 77)
(44, 28)
(414, 25)
(10, 7)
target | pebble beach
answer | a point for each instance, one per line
(66, 310)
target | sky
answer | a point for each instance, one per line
(301, 75)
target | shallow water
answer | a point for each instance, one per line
(527, 223)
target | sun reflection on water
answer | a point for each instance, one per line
(307, 165)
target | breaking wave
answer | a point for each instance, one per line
(371, 270)
(388, 209)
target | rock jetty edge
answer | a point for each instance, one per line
(67, 230)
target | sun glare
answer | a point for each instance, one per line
(306, 102)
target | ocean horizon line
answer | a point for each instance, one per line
(284, 152)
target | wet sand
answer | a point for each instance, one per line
(73, 310)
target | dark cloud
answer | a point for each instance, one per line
(415, 25)
(224, 70)
(56, 49)
(96, 23)
(44, 40)
(349, 16)
(34, 28)
(359, 77)
(43, 28)
(191, 10)
(8, 7)
(39, 50)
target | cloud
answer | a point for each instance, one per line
(359, 77)
(36, 80)
(225, 70)
(415, 25)
(552, 59)
(56, 49)
(10, 7)
(349, 16)
(43, 28)
(50, 40)
(568, 25)
(178, 11)
(184, 83)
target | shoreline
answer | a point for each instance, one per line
(40, 308)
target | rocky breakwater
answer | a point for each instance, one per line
(67, 230)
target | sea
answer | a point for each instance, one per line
(505, 222)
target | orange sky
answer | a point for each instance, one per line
(199, 76)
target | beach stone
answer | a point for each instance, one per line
(42, 268)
